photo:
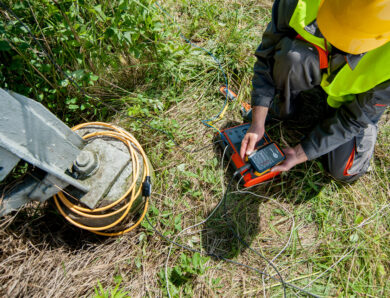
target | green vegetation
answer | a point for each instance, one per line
(108, 47)
(181, 277)
(117, 292)
(130, 55)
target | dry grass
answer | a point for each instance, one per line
(41, 255)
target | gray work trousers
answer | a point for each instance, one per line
(296, 69)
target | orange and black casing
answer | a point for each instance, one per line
(232, 137)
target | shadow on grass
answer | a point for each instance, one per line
(240, 215)
(40, 223)
(243, 213)
(43, 226)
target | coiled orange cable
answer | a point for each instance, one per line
(132, 192)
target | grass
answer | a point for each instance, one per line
(339, 239)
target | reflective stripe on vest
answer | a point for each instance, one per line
(372, 69)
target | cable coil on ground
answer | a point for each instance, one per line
(127, 199)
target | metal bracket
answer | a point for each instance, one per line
(30, 132)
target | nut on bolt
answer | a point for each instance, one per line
(85, 163)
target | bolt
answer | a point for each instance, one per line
(84, 158)
(85, 163)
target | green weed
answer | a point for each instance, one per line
(181, 276)
(116, 292)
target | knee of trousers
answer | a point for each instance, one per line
(348, 164)
(343, 174)
(343, 178)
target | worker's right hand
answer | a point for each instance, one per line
(253, 135)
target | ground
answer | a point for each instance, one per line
(328, 238)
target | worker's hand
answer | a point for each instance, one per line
(253, 135)
(294, 156)
(255, 132)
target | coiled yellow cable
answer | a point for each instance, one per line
(132, 192)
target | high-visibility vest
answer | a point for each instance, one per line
(372, 69)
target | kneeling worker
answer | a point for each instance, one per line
(344, 47)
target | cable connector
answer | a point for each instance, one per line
(242, 169)
(147, 187)
(228, 93)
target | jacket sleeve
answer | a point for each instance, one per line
(348, 121)
(263, 85)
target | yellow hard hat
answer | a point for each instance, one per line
(355, 26)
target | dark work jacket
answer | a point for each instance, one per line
(348, 121)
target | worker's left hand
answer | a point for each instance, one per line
(294, 156)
